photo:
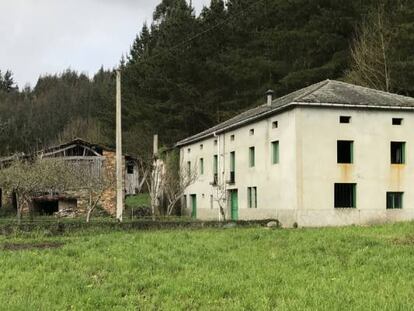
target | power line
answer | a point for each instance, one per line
(221, 23)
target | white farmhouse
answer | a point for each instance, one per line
(329, 154)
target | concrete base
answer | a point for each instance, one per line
(313, 218)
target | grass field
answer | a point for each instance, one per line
(370, 268)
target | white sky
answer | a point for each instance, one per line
(49, 36)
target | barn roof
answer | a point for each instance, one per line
(326, 93)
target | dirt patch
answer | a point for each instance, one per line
(31, 246)
(405, 240)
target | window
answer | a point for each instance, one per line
(275, 152)
(211, 201)
(185, 201)
(251, 157)
(345, 195)
(201, 166)
(215, 169)
(189, 168)
(251, 132)
(130, 168)
(345, 151)
(232, 137)
(394, 200)
(252, 197)
(344, 119)
(275, 124)
(232, 167)
(215, 142)
(397, 121)
(397, 152)
(189, 150)
(201, 146)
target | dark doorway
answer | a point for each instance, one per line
(46, 207)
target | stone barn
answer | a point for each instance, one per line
(96, 159)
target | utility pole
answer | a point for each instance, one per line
(119, 171)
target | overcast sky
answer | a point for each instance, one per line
(49, 36)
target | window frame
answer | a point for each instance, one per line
(339, 156)
(393, 197)
(345, 119)
(353, 195)
(397, 121)
(275, 151)
(252, 194)
(396, 158)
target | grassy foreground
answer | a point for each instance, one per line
(351, 268)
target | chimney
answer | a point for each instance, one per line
(269, 94)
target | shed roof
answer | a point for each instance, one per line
(324, 93)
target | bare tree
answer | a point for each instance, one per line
(370, 51)
(154, 184)
(177, 178)
(220, 196)
(94, 180)
(27, 179)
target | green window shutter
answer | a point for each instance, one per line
(251, 157)
(249, 197)
(255, 196)
(275, 152)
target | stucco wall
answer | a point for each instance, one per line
(276, 183)
(372, 132)
(300, 188)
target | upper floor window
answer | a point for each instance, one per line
(201, 166)
(215, 142)
(189, 168)
(344, 119)
(397, 121)
(345, 151)
(251, 132)
(215, 169)
(201, 146)
(189, 150)
(251, 157)
(130, 168)
(275, 152)
(275, 124)
(232, 137)
(397, 152)
(232, 167)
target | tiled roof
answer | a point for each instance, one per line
(325, 92)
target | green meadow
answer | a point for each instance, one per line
(353, 268)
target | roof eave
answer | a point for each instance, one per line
(279, 109)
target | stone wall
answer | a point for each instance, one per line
(108, 201)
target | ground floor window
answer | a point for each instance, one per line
(185, 201)
(252, 197)
(345, 195)
(394, 200)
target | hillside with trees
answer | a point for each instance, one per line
(186, 72)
